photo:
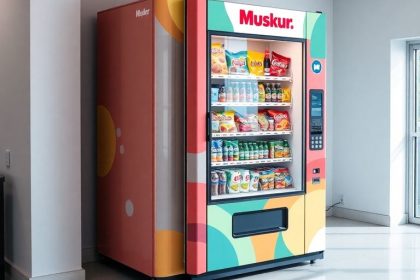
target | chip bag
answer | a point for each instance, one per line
(237, 63)
(227, 122)
(256, 63)
(281, 120)
(279, 64)
(263, 121)
(287, 95)
(218, 59)
(254, 179)
(245, 180)
(233, 178)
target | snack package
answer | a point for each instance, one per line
(287, 95)
(263, 121)
(281, 120)
(227, 122)
(237, 63)
(215, 122)
(266, 180)
(233, 181)
(253, 122)
(218, 59)
(279, 64)
(242, 124)
(254, 179)
(282, 178)
(245, 179)
(256, 63)
(278, 149)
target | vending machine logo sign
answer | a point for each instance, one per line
(316, 67)
(240, 18)
(248, 17)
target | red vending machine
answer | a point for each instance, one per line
(211, 142)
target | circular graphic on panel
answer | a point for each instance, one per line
(106, 141)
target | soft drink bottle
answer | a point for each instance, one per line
(255, 92)
(267, 63)
(222, 94)
(229, 92)
(267, 93)
(261, 150)
(235, 86)
(251, 152)
(242, 92)
(225, 153)
(214, 183)
(241, 152)
(246, 151)
(249, 93)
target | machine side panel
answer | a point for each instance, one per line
(126, 135)
(196, 198)
(315, 200)
(170, 134)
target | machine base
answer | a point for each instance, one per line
(254, 268)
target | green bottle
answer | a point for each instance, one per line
(286, 149)
(251, 152)
(261, 150)
(241, 151)
(246, 151)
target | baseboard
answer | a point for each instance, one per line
(401, 220)
(15, 273)
(90, 255)
(362, 216)
(71, 275)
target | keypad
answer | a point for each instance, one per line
(317, 142)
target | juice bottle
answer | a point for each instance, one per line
(267, 93)
(272, 147)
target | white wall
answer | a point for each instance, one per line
(325, 6)
(89, 10)
(55, 137)
(363, 152)
(14, 130)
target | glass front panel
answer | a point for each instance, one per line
(256, 104)
(417, 169)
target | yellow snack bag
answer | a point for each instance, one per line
(256, 63)
(218, 59)
(287, 95)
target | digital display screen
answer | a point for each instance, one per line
(316, 110)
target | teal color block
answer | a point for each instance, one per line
(318, 38)
(221, 256)
(281, 250)
(218, 18)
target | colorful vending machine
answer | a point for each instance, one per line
(211, 137)
(255, 191)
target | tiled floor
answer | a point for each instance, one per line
(355, 251)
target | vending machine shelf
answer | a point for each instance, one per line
(251, 104)
(250, 162)
(253, 194)
(249, 77)
(247, 134)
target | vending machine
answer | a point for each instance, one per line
(211, 137)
